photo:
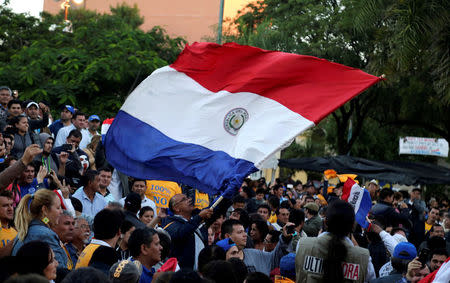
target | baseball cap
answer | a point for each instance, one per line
(94, 117)
(405, 250)
(287, 265)
(226, 244)
(31, 103)
(70, 108)
(373, 181)
(312, 206)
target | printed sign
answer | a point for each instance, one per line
(201, 200)
(423, 146)
(161, 191)
(315, 265)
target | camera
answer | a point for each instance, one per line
(290, 229)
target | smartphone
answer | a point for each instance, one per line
(66, 147)
(423, 256)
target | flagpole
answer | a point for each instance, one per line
(219, 28)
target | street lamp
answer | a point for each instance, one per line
(66, 5)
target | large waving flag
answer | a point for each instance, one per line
(217, 113)
(359, 198)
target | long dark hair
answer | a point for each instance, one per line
(340, 219)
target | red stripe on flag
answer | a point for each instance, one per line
(347, 188)
(307, 85)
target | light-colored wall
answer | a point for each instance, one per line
(191, 19)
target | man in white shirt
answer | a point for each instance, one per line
(139, 186)
(78, 122)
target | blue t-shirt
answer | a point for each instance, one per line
(31, 188)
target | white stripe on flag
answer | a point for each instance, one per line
(355, 197)
(158, 102)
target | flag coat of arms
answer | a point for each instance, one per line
(217, 113)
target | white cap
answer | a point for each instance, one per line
(32, 103)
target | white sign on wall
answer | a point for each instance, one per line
(423, 146)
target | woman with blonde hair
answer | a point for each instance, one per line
(90, 151)
(34, 215)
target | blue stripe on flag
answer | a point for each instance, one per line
(364, 208)
(129, 138)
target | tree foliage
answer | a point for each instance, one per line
(396, 38)
(93, 68)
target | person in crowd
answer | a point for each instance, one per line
(271, 240)
(188, 233)
(7, 231)
(89, 194)
(14, 109)
(8, 175)
(146, 215)
(258, 232)
(145, 247)
(101, 253)
(81, 237)
(287, 269)
(124, 271)
(255, 202)
(403, 254)
(139, 186)
(313, 223)
(90, 151)
(238, 202)
(297, 216)
(67, 112)
(282, 218)
(122, 246)
(37, 257)
(373, 189)
(208, 254)
(432, 218)
(49, 160)
(384, 212)
(9, 144)
(274, 204)
(437, 258)
(230, 249)
(416, 271)
(131, 209)
(256, 260)
(105, 175)
(330, 257)
(220, 271)
(22, 136)
(78, 123)
(64, 228)
(32, 112)
(93, 125)
(34, 215)
(5, 97)
(436, 233)
(264, 211)
(74, 167)
(28, 182)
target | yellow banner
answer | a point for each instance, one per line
(161, 191)
(201, 200)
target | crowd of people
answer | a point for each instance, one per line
(69, 216)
